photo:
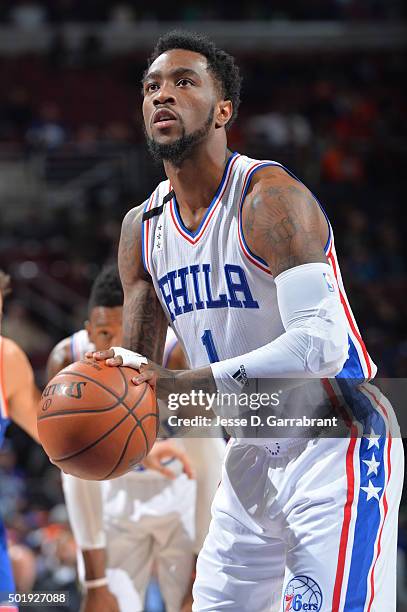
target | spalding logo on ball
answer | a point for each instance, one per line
(302, 594)
(94, 423)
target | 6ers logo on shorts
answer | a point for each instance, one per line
(302, 593)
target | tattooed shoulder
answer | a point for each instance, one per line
(130, 256)
(282, 223)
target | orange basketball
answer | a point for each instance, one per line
(93, 422)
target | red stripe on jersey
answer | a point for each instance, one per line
(249, 256)
(385, 507)
(215, 206)
(349, 316)
(147, 229)
(347, 511)
(188, 238)
(385, 503)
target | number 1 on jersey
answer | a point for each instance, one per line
(207, 341)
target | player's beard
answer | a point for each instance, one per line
(179, 150)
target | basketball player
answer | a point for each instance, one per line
(125, 525)
(239, 257)
(18, 403)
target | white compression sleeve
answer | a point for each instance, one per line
(315, 342)
(84, 503)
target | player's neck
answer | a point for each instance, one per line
(197, 179)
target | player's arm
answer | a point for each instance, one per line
(21, 391)
(144, 322)
(283, 225)
(60, 357)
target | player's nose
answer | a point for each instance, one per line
(165, 95)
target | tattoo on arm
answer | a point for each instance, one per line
(282, 224)
(144, 321)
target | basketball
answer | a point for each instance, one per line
(94, 423)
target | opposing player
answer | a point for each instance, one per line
(18, 402)
(239, 256)
(125, 525)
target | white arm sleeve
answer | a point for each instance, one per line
(84, 503)
(315, 342)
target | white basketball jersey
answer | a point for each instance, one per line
(219, 297)
(80, 344)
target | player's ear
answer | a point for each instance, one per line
(224, 112)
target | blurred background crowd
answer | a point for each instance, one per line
(73, 161)
(33, 13)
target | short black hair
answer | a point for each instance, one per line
(221, 64)
(107, 289)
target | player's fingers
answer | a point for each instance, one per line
(186, 463)
(101, 355)
(145, 376)
(115, 361)
(168, 449)
(154, 463)
(166, 472)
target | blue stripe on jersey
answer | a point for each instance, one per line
(353, 367)
(212, 204)
(368, 511)
(248, 181)
(4, 423)
(6, 576)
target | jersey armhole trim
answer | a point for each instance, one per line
(328, 244)
(145, 231)
(255, 259)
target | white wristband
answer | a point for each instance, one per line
(130, 358)
(94, 584)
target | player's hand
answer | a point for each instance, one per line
(99, 599)
(148, 371)
(118, 356)
(167, 450)
(104, 356)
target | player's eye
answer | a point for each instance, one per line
(105, 334)
(150, 87)
(184, 82)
